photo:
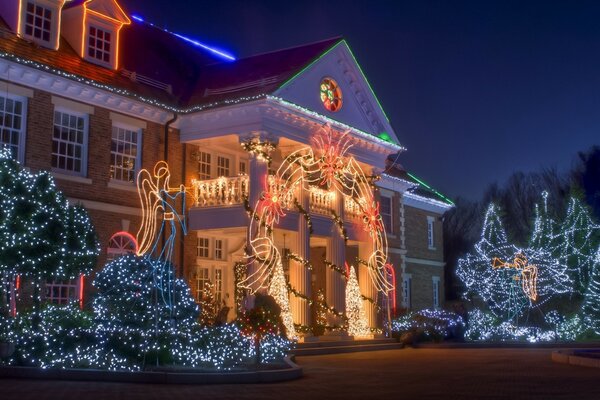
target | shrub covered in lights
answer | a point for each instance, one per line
(548, 290)
(429, 325)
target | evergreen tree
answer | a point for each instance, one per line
(279, 291)
(208, 305)
(355, 312)
(81, 242)
(591, 302)
(580, 238)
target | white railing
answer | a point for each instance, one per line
(351, 208)
(286, 195)
(221, 191)
(321, 201)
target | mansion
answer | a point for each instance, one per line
(96, 95)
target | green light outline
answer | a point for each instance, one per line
(421, 182)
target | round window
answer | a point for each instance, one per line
(331, 95)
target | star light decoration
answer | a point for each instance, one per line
(325, 164)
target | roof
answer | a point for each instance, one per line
(393, 168)
(255, 75)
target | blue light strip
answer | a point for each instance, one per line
(219, 53)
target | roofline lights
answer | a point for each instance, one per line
(216, 52)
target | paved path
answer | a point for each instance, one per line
(395, 374)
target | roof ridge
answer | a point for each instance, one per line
(337, 39)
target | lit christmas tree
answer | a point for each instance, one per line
(510, 280)
(320, 314)
(357, 320)
(580, 237)
(208, 305)
(278, 290)
(591, 302)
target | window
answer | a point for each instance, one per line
(62, 292)
(203, 166)
(385, 209)
(219, 249)
(69, 142)
(38, 22)
(120, 243)
(222, 166)
(406, 291)
(201, 281)
(430, 232)
(243, 169)
(12, 123)
(125, 154)
(218, 285)
(203, 247)
(99, 44)
(436, 291)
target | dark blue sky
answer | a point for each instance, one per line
(475, 90)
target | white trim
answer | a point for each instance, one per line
(23, 130)
(396, 251)
(6, 87)
(84, 145)
(71, 105)
(430, 232)
(395, 184)
(425, 262)
(425, 203)
(55, 84)
(122, 185)
(124, 119)
(57, 174)
(435, 293)
(101, 206)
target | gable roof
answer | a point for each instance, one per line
(255, 75)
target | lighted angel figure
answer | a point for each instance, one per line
(526, 274)
(159, 215)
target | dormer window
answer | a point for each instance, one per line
(92, 28)
(99, 44)
(38, 22)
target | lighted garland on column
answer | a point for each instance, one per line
(340, 223)
(239, 272)
(305, 214)
(261, 149)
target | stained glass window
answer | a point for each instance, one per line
(331, 95)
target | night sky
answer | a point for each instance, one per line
(474, 90)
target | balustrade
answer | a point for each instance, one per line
(221, 191)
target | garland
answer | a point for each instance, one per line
(340, 223)
(306, 215)
(261, 149)
(239, 272)
(335, 267)
(298, 259)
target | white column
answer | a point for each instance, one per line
(365, 282)
(300, 275)
(336, 284)
(257, 172)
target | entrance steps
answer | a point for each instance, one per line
(328, 346)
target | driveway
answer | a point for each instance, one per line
(391, 374)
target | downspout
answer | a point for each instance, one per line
(183, 205)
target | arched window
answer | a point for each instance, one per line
(121, 243)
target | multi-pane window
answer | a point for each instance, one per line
(201, 281)
(406, 291)
(430, 231)
(218, 249)
(222, 166)
(243, 169)
(61, 292)
(68, 142)
(120, 243)
(203, 247)
(203, 165)
(11, 125)
(385, 210)
(124, 154)
(436, 291)
(38, 22)
(99, 42)
(218, 285)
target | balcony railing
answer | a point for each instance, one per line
(351, 208)
(221, 191)
(321, 201)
